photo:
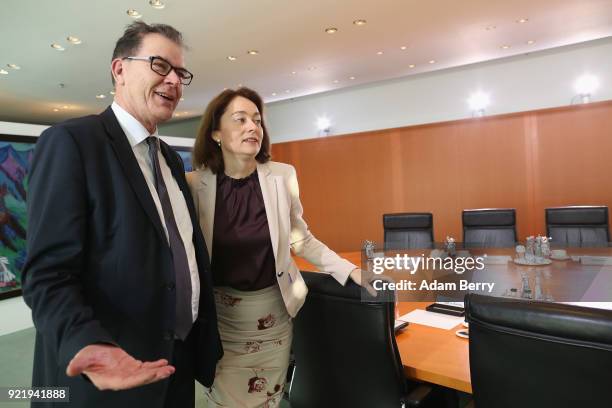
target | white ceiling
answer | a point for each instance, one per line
(289, 36)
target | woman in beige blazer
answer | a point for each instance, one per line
(251, 217)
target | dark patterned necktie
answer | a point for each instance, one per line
(184, 319)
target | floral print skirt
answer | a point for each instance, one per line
(256, 333)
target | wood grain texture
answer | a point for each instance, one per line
(528, 161)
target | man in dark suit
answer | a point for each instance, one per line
(117, 274)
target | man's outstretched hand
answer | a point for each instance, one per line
(111, 368)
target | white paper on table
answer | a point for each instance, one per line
(497, 259)
(431, 319)
(596, 260)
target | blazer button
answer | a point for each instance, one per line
(168, 335)
(170, 286)
(280, 274)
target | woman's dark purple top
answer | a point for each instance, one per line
(242, 255)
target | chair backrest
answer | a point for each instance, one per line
(535, 354)
(408, 230)
(344, 349)
(580, 226)
(489, 228)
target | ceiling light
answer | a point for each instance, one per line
(312, 68)
(403, 47)
(287, 90)
(293, 72)
(379, 53)
(239, 85)
(530, 42)
(157, 4)
(133, 13)
(57, 47)
(73, 40)
(490, 27)
(232, 58)
(359, 22)
(252, 52)
(3, 72)
(351, 78)
(101, 96)
(65, 107)
(13, 66)
(478, 102)
(411, 66)
(55, 110)
(522, 20)
(504, 47)
(273, 93)
(336, 81)
(331, 30)
(432, 61)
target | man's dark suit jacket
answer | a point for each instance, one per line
(99, 267)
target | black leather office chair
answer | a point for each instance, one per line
(489, 228)
(345, 351)
(534, 354)
(408, 230)
(581, 226)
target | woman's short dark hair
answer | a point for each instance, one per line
(131, 40)
(206, 152)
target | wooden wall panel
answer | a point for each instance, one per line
(526, 161)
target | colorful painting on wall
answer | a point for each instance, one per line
(15, 159)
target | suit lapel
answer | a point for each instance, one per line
(208, 186)
(132, 171)
(270, 197)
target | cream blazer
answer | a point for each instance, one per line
(288, 230)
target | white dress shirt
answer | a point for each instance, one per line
(137, 136)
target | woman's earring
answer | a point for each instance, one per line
(218, 142)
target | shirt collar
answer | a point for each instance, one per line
(134, 130)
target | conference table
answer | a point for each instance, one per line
(440, 357)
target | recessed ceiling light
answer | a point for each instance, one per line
(351, 78)
(133, 13)
(57, 47)
(55, 110)
(73, 40)
(331, 30)
(157, 4)
(293, 72)
(232, 58)
(336, 81)
(505, 47)
(13, 66)
(522, 20)
(530, 42)
(490, 27)
(403, 47)
(411, 66)
(101, 96)
(252, 52)
(287, 90)
(273, 93)
(432, 61)
(112, 92)
(359, 22)
(239, 85)
(3, 72)
(379, 53)
(312, 68)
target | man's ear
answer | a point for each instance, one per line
(117, 71)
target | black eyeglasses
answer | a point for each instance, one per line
(162, 67)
